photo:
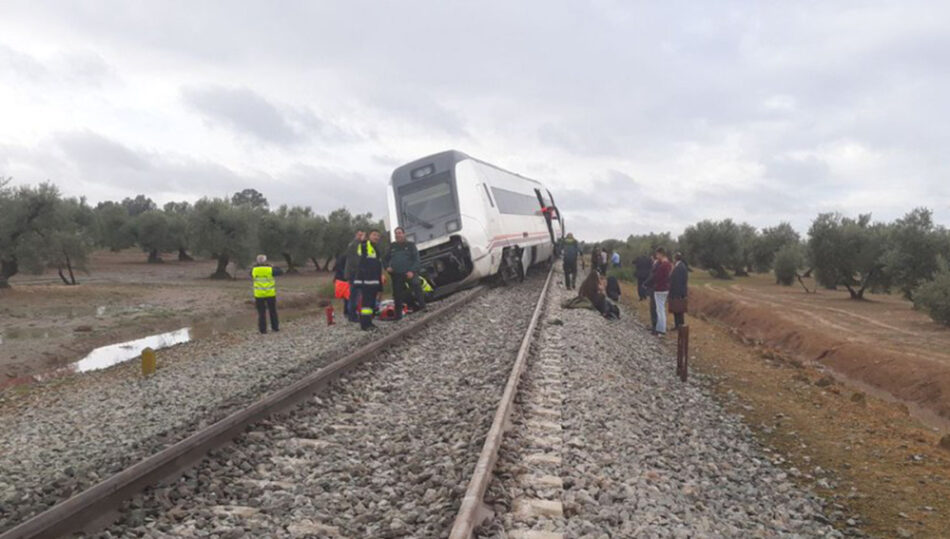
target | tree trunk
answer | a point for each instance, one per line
(316, 263)
(326, 265)
(8, 268)
(291, 267)
(153, 257)
(222, 271)
(801, 282)
(69, 267)
(741, 272)
(183, 256)
(855, 294)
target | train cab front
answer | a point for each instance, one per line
(424, 201)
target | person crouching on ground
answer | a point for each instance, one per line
(594, 289)
(368, 280)
(265, 293)
(403, 265)
(661, 288)
(679, 288)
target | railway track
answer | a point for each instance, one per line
(362, 425)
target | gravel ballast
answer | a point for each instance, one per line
(642, 454)
(64, 437)
(387, 451)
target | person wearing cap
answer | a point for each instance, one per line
(265, 293)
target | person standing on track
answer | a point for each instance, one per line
(403, 264)
(265, 293)
(570, 251)
(349, 272)
(661, 288)
(368, 279)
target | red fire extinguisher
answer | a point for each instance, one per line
(329, 315)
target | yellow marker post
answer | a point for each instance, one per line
(148, 362)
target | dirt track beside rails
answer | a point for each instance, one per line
(45, 324)
(881, 344)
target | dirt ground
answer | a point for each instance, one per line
(45, 324)
(881, 343)
(882, 471)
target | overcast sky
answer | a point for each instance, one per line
(640, 116)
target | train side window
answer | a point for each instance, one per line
(490, 201)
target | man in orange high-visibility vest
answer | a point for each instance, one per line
(265, 293)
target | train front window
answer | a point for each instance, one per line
(427, 201)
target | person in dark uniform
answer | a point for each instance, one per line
(679, 280)
(644, 267)
(571, 251)
(349, 272)
(368, 279)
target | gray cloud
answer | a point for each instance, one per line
(652, 115)
(243, 111)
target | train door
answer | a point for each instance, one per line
(546, 210)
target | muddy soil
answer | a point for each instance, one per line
(881, 342)
(45, 324)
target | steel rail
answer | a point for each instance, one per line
(96, 506)
(471, 512)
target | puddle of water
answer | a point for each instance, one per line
(107, 356)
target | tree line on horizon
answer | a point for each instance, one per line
(908, 255)
(40, 229)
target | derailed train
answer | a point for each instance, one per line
(472, 220)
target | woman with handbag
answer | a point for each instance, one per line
(678, 291)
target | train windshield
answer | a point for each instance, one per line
(425, 202)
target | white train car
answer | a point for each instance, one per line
(471, 219)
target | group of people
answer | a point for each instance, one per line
(359, 280)
(660, 281)
(597, 287)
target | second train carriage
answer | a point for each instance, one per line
(471, 219)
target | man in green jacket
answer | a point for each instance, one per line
(403, 264)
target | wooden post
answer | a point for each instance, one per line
(682, 352)
(148, 362)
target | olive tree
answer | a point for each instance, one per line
(849, 252)
(914, 243)
(68, 245)
(934, 296)
(769, 243)
(113, 226)
(153, 234)
(28, 217)
(225, 232)
(178, 214)
(713, 245)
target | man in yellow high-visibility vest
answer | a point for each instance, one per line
(265, 293)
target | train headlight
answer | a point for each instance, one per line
(452, 226)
